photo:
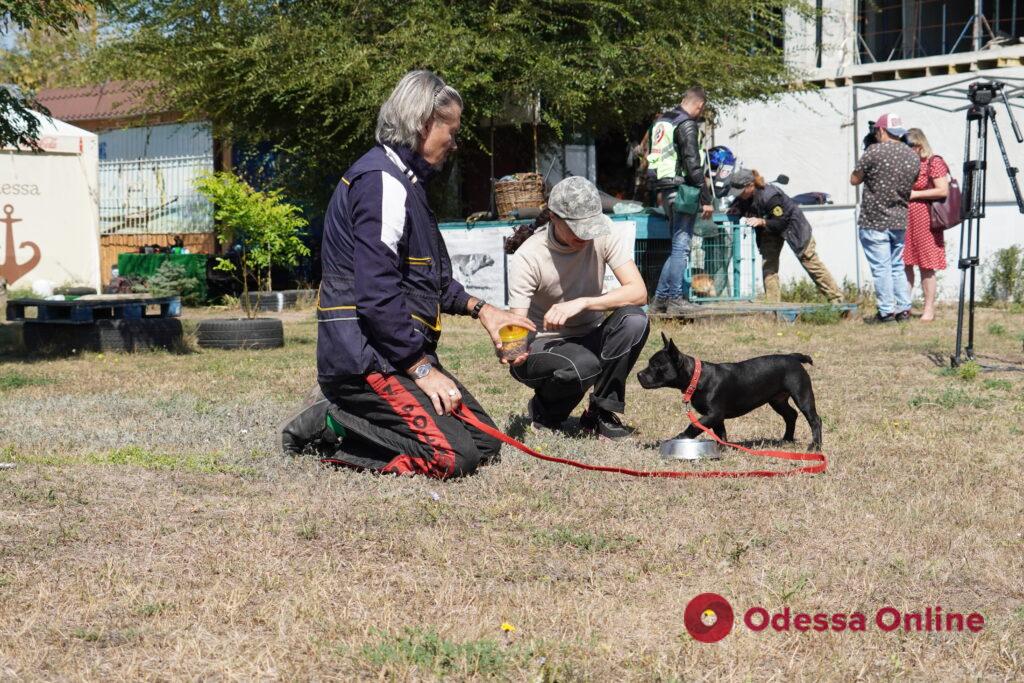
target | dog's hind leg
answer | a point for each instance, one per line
(780, 404)
(805, 402)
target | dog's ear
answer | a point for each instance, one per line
(673, 352)
(665, 340)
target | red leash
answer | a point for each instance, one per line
(820, 463)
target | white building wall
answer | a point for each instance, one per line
(838, 34)
(814, 138)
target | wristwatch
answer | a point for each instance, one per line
(475, 313)
(421, 370)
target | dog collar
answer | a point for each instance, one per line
(688, 394)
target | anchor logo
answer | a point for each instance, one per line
(10, 269)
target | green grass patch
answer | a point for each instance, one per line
(12, 379)
(134, 456)
(431, 653)
(584, 540)
(151, 609)
(1001, 384)
(949, 398)
(967, 372)
(996, 329)
(825, 315)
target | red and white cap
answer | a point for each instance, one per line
(893, 123)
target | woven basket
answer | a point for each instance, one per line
(521, 191)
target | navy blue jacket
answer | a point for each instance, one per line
(387, 276)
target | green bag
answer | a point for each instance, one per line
(687, 200)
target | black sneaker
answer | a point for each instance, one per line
(902, 316)
(604, 424)
(879, 319)
(658, 305)
(538, 420)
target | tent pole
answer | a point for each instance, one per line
(856, 189)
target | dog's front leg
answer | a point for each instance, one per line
(707, 421)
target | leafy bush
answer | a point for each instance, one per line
(803, 291)
(265, 230)
(171, 279)
(1005, 276)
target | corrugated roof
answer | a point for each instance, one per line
(111, 100)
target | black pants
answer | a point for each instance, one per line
(561, 370)
(391, 426)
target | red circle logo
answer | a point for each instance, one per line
(708, 617)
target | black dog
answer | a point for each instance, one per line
(727, 390)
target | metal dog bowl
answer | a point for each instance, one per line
(689, 449)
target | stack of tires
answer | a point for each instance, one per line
(102, 336)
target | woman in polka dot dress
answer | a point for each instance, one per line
(925, 248)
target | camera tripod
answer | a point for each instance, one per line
(979, 116)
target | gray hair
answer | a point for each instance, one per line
(417, 98)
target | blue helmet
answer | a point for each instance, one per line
(721, 156)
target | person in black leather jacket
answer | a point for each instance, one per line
(672, 293)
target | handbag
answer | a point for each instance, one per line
(687, 200)
(946, 213)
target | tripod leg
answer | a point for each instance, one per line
(1011, 171)
(955, 360)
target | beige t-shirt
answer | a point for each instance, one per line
(543, 273)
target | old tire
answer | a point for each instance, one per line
(103, 336)
(240, 333)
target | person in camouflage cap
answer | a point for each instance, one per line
(586, 339)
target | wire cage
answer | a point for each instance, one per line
(723, 261)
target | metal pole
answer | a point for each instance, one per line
(943, 28)
(977, 24)
(737, 259)
(856, 190)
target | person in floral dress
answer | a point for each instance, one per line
(925, 248)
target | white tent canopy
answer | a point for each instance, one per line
(49, 208)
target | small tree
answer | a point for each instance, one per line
(264, 229)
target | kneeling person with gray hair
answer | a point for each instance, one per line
(585, 338)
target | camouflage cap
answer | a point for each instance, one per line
(577, 201)
(739, 180)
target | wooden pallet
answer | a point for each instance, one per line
(89, 309)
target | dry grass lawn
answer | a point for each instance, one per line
(150, 531)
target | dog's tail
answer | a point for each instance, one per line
(802, 358)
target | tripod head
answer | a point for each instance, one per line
(983, 93)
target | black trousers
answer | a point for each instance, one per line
(391, 426)
(560, 371)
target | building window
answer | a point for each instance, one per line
(907, 29)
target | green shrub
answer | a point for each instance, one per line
(1005, 276)
(171, 279)
(803, 291)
